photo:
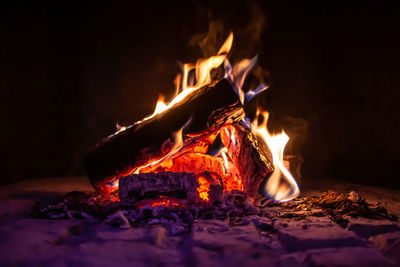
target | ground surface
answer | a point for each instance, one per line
(256, 241)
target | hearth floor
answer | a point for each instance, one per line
(310, 241)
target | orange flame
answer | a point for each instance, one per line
(203, 68)
(178, 144)
(161, 201)
(120, 128)
(203, 188)
(281, 185)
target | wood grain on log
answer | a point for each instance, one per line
(249, 157)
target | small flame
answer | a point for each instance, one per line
(178, 144)
(203, 188)
(225, 157)
(281, 185)
(160, 106)
(237, 74)
(120, 128)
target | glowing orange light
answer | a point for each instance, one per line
(178, 144)
(203, 68)
(281, 185)
(203, 188)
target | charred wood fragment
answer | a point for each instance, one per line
(136, 187)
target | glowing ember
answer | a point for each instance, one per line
(203, 187)
(178, 144)
(161, 201)
(224, 156)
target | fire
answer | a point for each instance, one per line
(225, 157)
(161, 201)
(189, 84)
(237, 74)
(204, 185)
(120, 128)
(281, 185)
(189, 153)
(178, 144)
(186, 84)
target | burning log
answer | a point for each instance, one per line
(249, 156)
(207, 108)
(216, 147)
(136, 187)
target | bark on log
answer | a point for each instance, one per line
(250, 157)
(136, 187)
(207, 107)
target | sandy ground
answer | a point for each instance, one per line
(313, 242)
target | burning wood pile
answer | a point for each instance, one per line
(200, 157)
(197, 147)
(199, 183)
(199, 175)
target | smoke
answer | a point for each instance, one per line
(247, 23)
(210, 42)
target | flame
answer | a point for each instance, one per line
(237, 74)
(120, 128)
(186, 84)
(160, 106)
(225, 157)
(281, 185)
(203, 188)
(226, 47)
(178, 144)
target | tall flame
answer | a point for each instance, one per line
(237, 74)
(281, 185)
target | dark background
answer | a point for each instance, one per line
(69, 72)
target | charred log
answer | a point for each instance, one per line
(207, 107)
(249, 156)
(136, 187)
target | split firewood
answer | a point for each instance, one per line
(249, 156)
